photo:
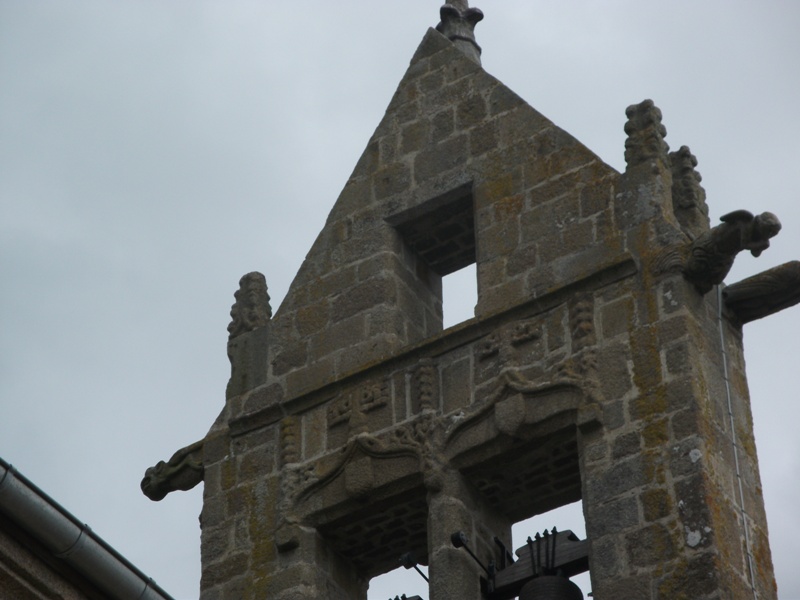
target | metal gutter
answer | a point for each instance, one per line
(71, 541)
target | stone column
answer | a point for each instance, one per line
(306, 567)
(457, 506)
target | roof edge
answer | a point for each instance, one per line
(71, 541)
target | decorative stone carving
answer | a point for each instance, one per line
(712, 254)
(688, 196)
(764, 294)
(425, 436)
(458, 25)
(358, 477)
(296, 478)
(352, 405)
(251, 309)
(290, 440)
(582, 323)
(425, 384)
(489, 346)
(301, 482)
(646, 135)
(421, 439)
(182, 471)
(526, 331)
(511, 381)
(374, 395)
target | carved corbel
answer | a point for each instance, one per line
(182, 471)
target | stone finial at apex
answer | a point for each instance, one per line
(458, 25)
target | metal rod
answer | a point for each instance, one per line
(416, 568)
(459, 540)
(748, 549)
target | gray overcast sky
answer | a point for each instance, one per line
(153, 152)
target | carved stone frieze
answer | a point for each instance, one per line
(581, 316)
(339, 411)
(425, 436)
(489, 346)
(374, 395)
(513, 382)
(351, 405)
(290, 440)
(251, 309)
(182, 471)
(526, 331)
(425, 385)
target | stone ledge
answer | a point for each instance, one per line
(620, 267)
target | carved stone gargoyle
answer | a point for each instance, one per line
(710, 257)
(182, 471)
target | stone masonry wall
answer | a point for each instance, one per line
(355, 429)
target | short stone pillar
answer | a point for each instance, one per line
(457, 506)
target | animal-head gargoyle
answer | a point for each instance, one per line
(181, 472)
(711, 255)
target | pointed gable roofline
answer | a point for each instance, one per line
(453, 138)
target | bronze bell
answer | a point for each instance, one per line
(550, 587)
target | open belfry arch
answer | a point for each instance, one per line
(604, 364)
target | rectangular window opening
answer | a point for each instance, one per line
(441, 233)
(459, 295)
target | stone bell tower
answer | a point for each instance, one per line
(604, 364)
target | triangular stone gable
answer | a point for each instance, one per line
(457, 143)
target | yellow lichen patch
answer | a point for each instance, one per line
(656, 434)
(507, 206)
(262, 517)
(654, 466)
(228, 474)
(656, 504)
(746, 440)
(763, 562)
